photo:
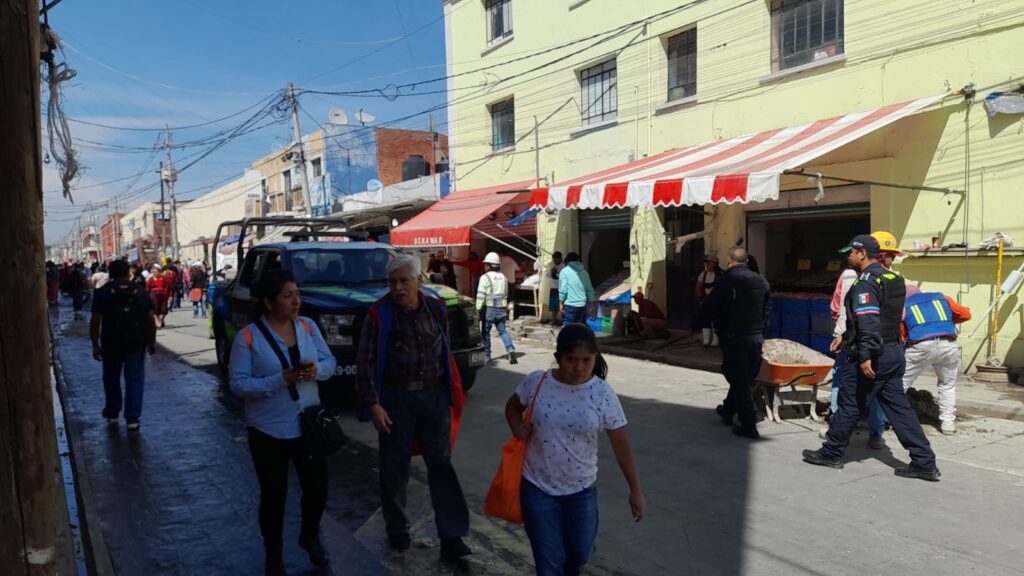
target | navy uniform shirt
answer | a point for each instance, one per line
(864, 300)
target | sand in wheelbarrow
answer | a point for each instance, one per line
(780, 351)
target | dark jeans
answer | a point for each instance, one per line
(562, 529)
(574, 315)
(77, 299)
(424, 416)
(270, 457)
(133, 364)
(496, 317)
(741, 361)
(858, 391)
(199, 306)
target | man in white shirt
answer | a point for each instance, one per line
(100, 277)
(492, 301)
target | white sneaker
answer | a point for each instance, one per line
(823, 433)
(947, 428)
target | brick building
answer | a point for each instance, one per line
(110, 236)
(394, 146)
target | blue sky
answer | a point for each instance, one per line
(146, 63)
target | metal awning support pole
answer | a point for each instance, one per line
(872, 182)
(503, 243)
(525, 240)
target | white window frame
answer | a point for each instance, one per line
(316, 166)
(592, 92)
(491, 6)
(497, 146)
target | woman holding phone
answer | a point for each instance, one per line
(274, 360)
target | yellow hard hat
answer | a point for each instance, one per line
(887, 242)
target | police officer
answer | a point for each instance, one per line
(492, 302)
(874, 312)
(741, 303)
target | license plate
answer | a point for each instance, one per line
(349, 370)
(476, 358)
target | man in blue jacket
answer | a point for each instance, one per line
(574, 291)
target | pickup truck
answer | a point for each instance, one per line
(338, 281)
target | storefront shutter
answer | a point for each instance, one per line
(839, 210)
(605, 219)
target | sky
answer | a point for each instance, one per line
(144, 64)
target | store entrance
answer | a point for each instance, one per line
(682, 268)
(604, 244)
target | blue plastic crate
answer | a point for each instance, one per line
(790, 305)
(821, 306)
(796, 322)
(821, 344)
(821, 324)
(595, 324)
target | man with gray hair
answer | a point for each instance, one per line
(408, 385)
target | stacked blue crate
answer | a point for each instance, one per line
(821, 325)
(796, 320)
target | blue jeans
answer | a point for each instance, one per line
(562, 529)
(876, 418)
(496, 317)
(199, 306)
(574, 315)
(133, 364)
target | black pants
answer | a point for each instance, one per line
(857, 392)
(423, 416)
(270, 457)
(741, 361)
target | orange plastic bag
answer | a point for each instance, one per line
(503, 495)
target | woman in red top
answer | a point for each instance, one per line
(158, 293)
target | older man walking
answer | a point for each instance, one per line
(406, 380)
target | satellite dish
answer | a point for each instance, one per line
(364, 117)
(374, 185)
(337, 116)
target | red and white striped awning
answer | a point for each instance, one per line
(742, 169)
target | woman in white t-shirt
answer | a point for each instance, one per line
(559, 490)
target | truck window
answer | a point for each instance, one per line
(339, 266)
(253, 262)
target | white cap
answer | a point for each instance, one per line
(492, 258)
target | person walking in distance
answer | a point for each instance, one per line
(706, 282)
(76, 287)
(929, 322)
(874, 365)
(492, 303)
(122, 330)
(276, 362)
(406, 380)
(575, 292)
(741, 304)
(197, 291)
(559, 487)
(157, 288)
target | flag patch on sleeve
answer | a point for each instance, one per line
(863, 299)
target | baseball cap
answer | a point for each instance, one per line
(863, 242)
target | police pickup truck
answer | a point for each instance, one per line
(338, 281)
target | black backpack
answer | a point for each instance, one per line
(127, 326)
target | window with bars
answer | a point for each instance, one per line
(682, 65)
(804, 31)
(318, 167)
(599, 99)
(499, 20)
(286, 179)
(503, 125)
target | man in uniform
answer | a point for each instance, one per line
(875, 365)
(741, 303)
(492, 302)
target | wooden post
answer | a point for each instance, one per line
(33, 510)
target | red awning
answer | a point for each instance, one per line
(448, 221)
(742, 169)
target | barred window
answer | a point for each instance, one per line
(599, 99)
(804, 31)
(682, 65)
(503, 125)
(499, 20)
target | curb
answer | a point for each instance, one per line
(96, 552)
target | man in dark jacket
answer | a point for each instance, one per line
(741, 303)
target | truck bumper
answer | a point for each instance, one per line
(469, 359)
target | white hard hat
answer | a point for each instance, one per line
(492, 258)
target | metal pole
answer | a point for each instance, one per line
(163, 241)
(995, 312)
(172, 177)
(503, 243)
(536, 149)
(301, 164)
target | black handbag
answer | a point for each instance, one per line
(321, 431)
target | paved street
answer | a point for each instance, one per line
(180, 496)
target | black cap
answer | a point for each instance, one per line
(864, 242)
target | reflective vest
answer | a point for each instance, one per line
(492, 291)
(892, 290)
(928, 316)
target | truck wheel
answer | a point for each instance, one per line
(468, 379)
(220, 345)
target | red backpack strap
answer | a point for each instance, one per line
(306, 326)
(247, 334)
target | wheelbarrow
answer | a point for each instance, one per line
(774, 376)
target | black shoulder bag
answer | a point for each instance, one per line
(321, 430)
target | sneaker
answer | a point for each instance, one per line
(399, 541)
(133, 424)
(512, 358)
(454, 549)
(815, 457)
(947, 428)
(911, 471)
(876, 442)
(746, 431)
(315, 548)
(725, 416)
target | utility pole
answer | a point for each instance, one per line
(299, 152)
(162, 232)
(433, 155)
(33, 509)
(536, 148)
(171, 176)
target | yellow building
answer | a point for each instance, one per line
(279, 183)
(563, 89)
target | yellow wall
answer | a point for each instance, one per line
(895, 50)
